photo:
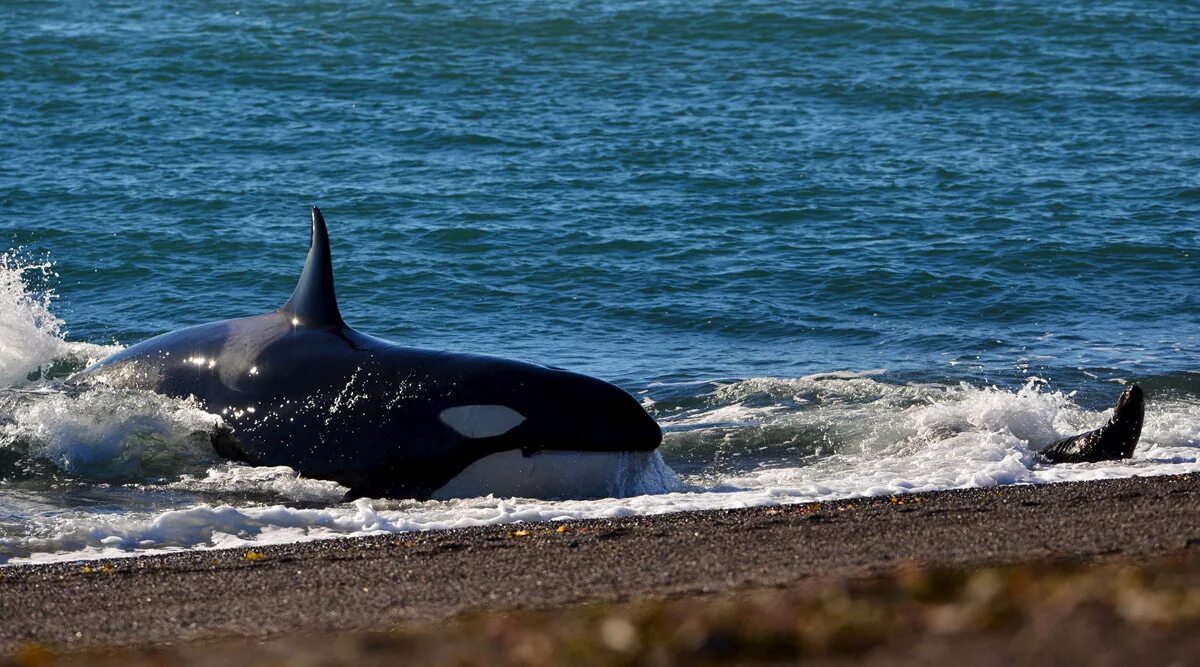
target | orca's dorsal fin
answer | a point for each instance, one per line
(314, 301)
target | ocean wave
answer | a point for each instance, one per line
(100, 472)
(733, 441)
(107, 435)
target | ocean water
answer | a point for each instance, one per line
(837, 249)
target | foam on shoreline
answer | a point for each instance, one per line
(905, 440)
(105, 473)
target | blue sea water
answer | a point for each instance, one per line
(790, 227)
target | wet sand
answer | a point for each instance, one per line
(377, 583)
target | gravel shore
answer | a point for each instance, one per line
(376, 583)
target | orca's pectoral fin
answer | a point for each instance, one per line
(227, 446)
(1113, 441)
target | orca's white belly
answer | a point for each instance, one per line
(562, 474)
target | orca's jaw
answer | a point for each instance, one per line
(532, 437)
(560, 474)
(526, 460)
(556, 411)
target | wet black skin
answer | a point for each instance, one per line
(298, 387)
(1113, 441)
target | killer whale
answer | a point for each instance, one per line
(299, 387)
(1115, 440)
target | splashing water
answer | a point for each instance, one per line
(112, 436)
(32, 337)
(103, 472)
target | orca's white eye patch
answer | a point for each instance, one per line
(481, 421)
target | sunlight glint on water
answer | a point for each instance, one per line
(837, 249)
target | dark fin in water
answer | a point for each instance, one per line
(314, 302)
(1115, 440)
(227, 446)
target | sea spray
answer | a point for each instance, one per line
(108, 435)
(887, 438)
(30, 334)
(32, 337)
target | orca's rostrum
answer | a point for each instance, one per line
(298, 387)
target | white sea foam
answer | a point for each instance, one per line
(31, 335)
(279, 481)
(889, 439)
(110, 435)
(103, 435)
(759, 441)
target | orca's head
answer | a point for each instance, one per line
(537, 408)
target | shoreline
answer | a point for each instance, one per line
(369, 583)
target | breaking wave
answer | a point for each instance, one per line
(106, 473)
